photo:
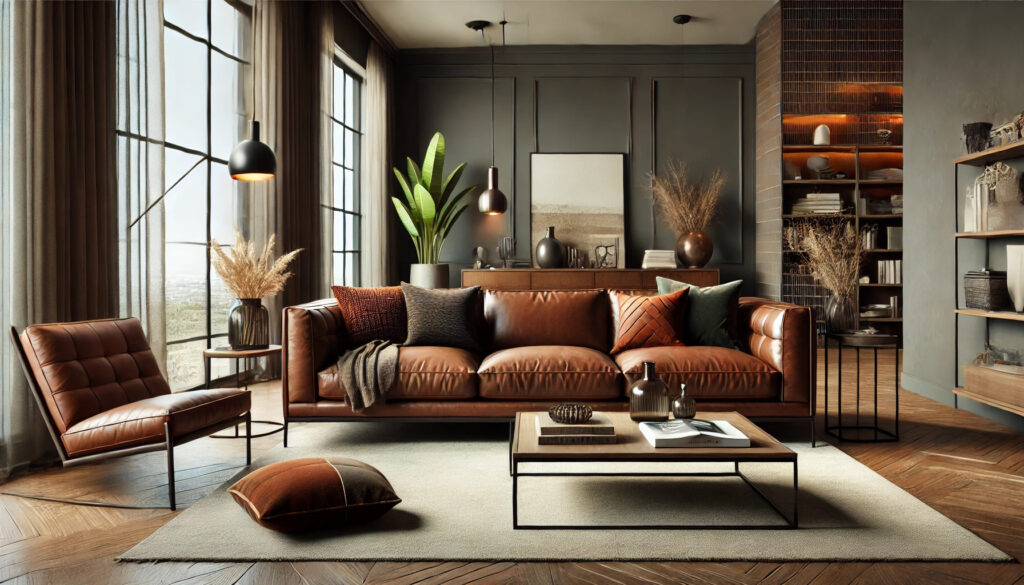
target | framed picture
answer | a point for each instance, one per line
(583, 196)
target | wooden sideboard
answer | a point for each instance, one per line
(582, 278)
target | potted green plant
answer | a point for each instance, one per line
(429, 211)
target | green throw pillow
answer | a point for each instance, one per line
(710, 312)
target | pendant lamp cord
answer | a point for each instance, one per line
(255, 2)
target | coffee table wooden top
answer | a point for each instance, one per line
(633, 446)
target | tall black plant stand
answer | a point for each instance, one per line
(860, 431)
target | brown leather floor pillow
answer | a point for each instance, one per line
(314, 492)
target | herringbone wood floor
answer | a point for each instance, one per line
(960, 464)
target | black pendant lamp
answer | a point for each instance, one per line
(252, 160)
(491, 201)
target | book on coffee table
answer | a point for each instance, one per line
(693, 433)
(599, 424)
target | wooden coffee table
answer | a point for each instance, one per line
(633, 447)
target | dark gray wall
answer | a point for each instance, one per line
(651, 103)
(962, 63)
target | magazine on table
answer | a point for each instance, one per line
(693, 433)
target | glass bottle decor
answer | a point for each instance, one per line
(684, 406)
(249, 325)
(648, 397)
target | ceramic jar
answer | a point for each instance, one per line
(694, 249)
(550, 252)
(1015, 276)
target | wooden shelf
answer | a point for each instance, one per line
(819, 182)
(819, 216)
(819, 148)
(989, 401)
(882, 251)
(1008, 315)
(992, 234)
(882, 216)
(883, 319)
(880, 285)
(880, 181)
(991, 155)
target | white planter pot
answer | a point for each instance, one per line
(429, 275)
(1015, 276)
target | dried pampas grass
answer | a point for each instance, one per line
(833, 250)
(688, 207)
(250, 275)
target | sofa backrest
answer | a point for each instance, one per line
(546, 317)
(85, 368)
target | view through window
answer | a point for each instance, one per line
(344, 207)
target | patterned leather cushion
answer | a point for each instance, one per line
(314, 492)
(371, 313)
(648, 321)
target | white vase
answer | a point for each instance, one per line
(822, 135)
(1015, 276)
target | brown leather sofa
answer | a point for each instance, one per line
(541, 347)
(101, 394)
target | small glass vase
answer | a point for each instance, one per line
(840, 314)
(648, 397)
(249, 325)
(684, 406)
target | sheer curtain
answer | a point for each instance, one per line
(59, 196)
(376, 165)
(140, 135)
(292, 50)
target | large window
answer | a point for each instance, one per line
(344, 207)
(206, 86)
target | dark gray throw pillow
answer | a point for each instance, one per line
(710, 312)
(441, 316)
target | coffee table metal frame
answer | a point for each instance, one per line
(792, 522)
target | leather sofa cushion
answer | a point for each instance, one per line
(424, 373)
(85, 368)
(552, 372)
(709, 372)
(142, 421)
(314, 492)
(529, 318)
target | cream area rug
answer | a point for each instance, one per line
(456, 491)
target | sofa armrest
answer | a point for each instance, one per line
(784, 336)
(311, 340)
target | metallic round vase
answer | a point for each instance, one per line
(694, 249)
(429, 275)
(648, 397)
(249, 325)
(684, 406)
(550, 252)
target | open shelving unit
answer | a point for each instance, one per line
(856, 160)
(987, 239)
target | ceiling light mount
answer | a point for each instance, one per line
(682, 18)
(478, 25)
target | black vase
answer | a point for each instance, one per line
(249, 325)
(550, 251)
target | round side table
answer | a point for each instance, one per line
(857, 432)
(238, 355)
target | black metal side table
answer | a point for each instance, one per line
(858, 432)
(238, 355)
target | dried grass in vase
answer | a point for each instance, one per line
(688, 207)
(250, 275)
(833, 250)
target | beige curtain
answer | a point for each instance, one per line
(140, 135)
(376, 167)
(59, 197)
(293, 45)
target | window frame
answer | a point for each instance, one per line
(341, 63)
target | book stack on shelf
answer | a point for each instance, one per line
(599, 430)
(818, 204)
(890, 272)
(659, 259)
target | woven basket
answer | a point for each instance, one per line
(987, 291)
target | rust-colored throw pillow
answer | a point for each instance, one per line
(314, 492)
(372, 313)
(648, 321)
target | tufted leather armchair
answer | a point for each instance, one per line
(102, 395)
